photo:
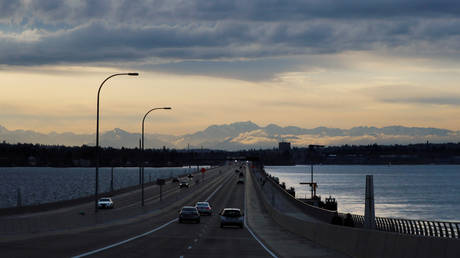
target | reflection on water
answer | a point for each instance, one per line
(418, 192)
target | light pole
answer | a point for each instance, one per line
(97, 134)
(142, 147)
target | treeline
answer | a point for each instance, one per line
(85, 156)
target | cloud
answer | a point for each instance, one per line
(218, 34)
(412, 94)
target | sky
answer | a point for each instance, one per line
(303, 63)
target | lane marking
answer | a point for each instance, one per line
(139, 236)
(125, 241)
(250, 230)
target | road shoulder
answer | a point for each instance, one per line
(281, 241)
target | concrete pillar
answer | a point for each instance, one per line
(369, 209)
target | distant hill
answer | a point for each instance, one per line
(243, 135)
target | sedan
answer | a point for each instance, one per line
(231, 217)
(204, 208)
(183, 184)
(105, 202)
(189, 213)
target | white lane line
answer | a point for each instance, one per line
(125, 241)
(138, 236)
(250, 230)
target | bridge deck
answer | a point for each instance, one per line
(284, 242)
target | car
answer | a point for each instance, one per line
(175, 180)
(240, 181)
(105, 203)
(231, 217)
(183, 184)
(204, 208)
(241, 174)
(189, 213)
(190, 175)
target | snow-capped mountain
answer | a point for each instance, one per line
(242, 135)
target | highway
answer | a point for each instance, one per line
(154, 231)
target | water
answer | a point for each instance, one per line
(43, 184)
(430, 192)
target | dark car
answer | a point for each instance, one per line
(231, 217)
(241, 174)
(204, 208)
(183, 184)
(175, 180)
(190, 175)
(189, 213)
(240, 181)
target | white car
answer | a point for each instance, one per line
(105, 203)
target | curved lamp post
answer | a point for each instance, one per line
(142, 147)
(97, 134)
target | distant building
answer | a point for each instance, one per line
(284, 147)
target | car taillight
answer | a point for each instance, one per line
(208, 208)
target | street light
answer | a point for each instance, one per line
(97, 133)
(142, 147)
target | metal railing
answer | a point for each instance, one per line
(412, 227)
(442, 229)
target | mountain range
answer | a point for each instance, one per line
(242, 135)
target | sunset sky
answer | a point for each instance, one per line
(301, 63)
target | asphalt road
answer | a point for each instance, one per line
(126, 205)
(156, 234)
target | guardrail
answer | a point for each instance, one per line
(443, 229)
(412, 227)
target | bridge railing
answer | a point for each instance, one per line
(442, 229)
(419, 227)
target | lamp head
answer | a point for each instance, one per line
(167, 108)
(133, 74)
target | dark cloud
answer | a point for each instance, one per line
(215, 32)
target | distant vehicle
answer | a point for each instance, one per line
(231, 217)
(183, 184)
(105, 203)
(204, 208)
(190, 175)
(189, 213)
(237, 171)
(241, 174)
(175, 180)
(240, 181)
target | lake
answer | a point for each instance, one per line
(430, 192)
(45, 184)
